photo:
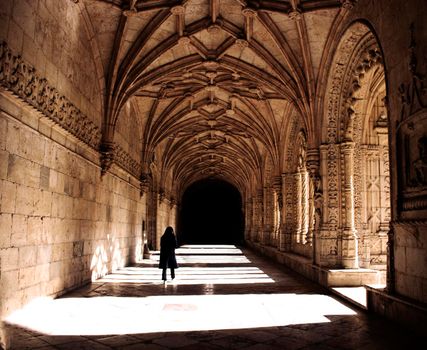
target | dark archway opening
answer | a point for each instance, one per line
(211, 213)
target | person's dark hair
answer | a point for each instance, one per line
(169, 231)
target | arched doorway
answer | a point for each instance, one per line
(354, 153)
(211, 213)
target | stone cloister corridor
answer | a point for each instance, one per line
(295, 130)
(222, 298)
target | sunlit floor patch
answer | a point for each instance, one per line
(123, 315)
(206, 254)
(356, 294)
(191, 275)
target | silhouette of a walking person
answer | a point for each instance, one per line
(167, 253)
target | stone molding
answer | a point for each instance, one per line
(113, 153)
(124, 160)
(23, 80)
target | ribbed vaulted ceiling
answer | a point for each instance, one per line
(215, 81)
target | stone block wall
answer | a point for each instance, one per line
(411, 261)
(53, 37)
(61, 224)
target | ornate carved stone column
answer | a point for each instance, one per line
(384, 176)
(327, 207)
(278, 207)
(268, 215)
(315, 198)
(298, 206)
(288, 185)
(258, 216)
(254, 219)
(349, 242)
(248, 219)
(304, 207)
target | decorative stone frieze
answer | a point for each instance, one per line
(22, 79)
(123, 159)
(113, 153)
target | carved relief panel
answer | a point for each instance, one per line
(412, 142)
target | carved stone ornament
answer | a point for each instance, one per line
(145, 181)
(412, 140)
(22, 79)
(107, 156)
(112, 153)
(123, 159)
(412, 151)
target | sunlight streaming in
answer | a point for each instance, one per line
(127, 315)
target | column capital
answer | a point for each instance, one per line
(347, 146)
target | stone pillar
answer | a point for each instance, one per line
(349, 255)
(288, 223)
(278, 207)
(152, 219)
(258, 216)
(248, 219)
(254, 219)
(384, 182)
(327, 220)
(304, 207)
(298, 202)
(390, 262)
(315, 198)
(268, 215)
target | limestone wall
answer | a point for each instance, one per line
(53, 37)
(61, 224)
(128, 132)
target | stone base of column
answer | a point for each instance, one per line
(327, 249)
(326, 276)
(349, 250)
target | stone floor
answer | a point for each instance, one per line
(222, 298)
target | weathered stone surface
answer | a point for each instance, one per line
(109, 112)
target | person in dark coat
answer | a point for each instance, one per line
(167, 253)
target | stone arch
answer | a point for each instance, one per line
(356, 79)
(371, 167)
